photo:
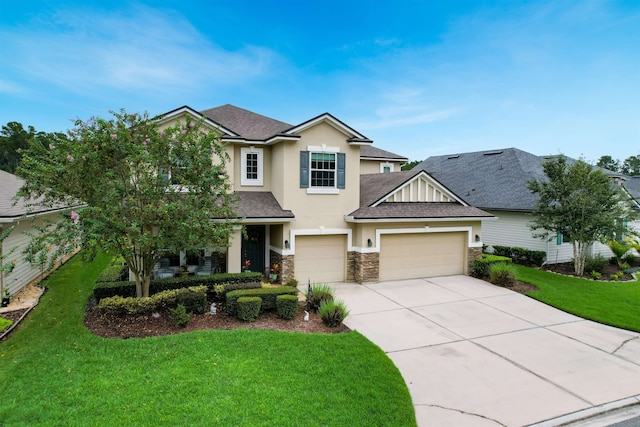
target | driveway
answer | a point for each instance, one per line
(474, 354)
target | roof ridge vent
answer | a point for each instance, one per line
(491, 153)
(455, 156)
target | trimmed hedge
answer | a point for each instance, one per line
(194, 300)
(113, 273)
(228, 280)
(249, 308)
(482, 265)
(269, 297)
(521, 256)
(287, 306)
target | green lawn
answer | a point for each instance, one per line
(54, 372)
(611, 303)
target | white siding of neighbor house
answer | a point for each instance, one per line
(512, 229)
(23, 273)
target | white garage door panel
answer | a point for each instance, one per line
(406, 256)
(320, 258)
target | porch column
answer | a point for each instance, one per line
(234, 258)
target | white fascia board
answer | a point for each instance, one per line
(188, 110)
(328, 118)
(282, 138)
(351, 219)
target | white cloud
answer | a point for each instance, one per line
(142, 49)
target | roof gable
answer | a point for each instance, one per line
(245, 123)
(353, 136)
(404, 186)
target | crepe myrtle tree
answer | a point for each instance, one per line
(143, 191)
(579, 202)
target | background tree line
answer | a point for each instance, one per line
(630, 166)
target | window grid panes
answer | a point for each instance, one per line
(323, 170)
(252, 165)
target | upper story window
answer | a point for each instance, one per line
(252, 166)
(386, 167)
(322, 171)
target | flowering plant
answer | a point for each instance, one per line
(246, 265)
(275, 268)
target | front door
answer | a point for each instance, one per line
(253, 248)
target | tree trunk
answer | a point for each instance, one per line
(580, 256)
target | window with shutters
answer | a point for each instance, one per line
(322, 172)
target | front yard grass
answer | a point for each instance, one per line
(53, 371)
(612, 303)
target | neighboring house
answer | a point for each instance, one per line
(496, 181)
(632, 185)
(23, 218)
(307, 206)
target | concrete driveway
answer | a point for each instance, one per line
(474, 354)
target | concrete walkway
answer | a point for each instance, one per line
(474, 354)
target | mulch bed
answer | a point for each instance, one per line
(140, 326)
(566, 268)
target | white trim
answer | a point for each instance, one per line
(351, 219)
(386, 165)
(323, 190)
(188, 110)
(430, 182)
(469, 230)
(322, 149)
(332, 121)
(317, 232)
(244, 181)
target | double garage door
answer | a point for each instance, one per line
(407, 256)
(402, 256)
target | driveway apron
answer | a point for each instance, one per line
(474, 354)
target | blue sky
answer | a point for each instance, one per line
(420, 77)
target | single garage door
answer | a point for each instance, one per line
(321, 258)
(407, 256)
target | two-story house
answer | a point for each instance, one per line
(320, 201)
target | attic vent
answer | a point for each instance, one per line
(491, 153)
(453, 157)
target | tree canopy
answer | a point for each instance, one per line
(580, 202)
(630, 166)
(141, 191)
(13, 139)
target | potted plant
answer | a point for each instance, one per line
(273, 276)
(6, 298)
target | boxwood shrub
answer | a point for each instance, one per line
(228, 280)
(249, 308)
(194, 300)
(287, 306)
(521, 255)
(268, 295)
(482, 265)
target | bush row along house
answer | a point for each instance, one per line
(320, 201)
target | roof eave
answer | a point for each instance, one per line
(352, 219)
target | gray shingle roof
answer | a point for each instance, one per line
(633, 186)
(493, 179)
(414, 210)
(9, 187)
(246, 123)
(368, 151)
(259, 204)
(375, 186)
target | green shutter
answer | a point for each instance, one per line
(304, 169)
(341, 169)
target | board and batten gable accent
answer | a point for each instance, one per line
(420, 189)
